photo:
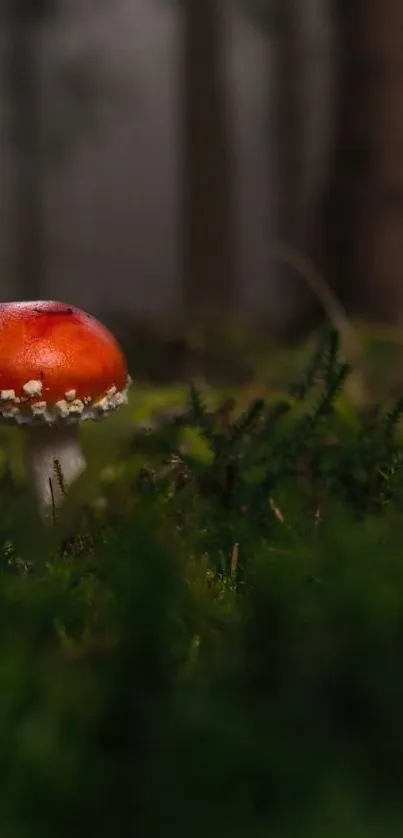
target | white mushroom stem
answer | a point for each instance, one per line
(54, 461)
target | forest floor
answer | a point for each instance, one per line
(210, 638)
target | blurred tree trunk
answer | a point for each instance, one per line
(285, 22)
(289, 164)
(24, 93)
(288, 124)
(206, 164)
(364, 217)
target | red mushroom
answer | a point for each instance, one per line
(58, 367)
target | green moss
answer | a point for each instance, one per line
(213, 644)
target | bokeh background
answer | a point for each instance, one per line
(210, 637)
(157, 156)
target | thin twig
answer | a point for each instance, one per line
(306, 269)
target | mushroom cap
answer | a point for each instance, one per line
(57, 363)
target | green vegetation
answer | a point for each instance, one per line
(210, 641)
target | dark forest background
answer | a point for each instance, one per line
(208, 635)
(179, 159)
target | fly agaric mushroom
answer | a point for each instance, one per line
(58, 367)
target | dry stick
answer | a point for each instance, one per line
(53, 501)
(276, 511)
(234, 561)
(59, 477)
(57, 470)
(306, 269)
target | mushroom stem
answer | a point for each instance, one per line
(54, 461)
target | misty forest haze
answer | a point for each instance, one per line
(155, 153)
(112, 195)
